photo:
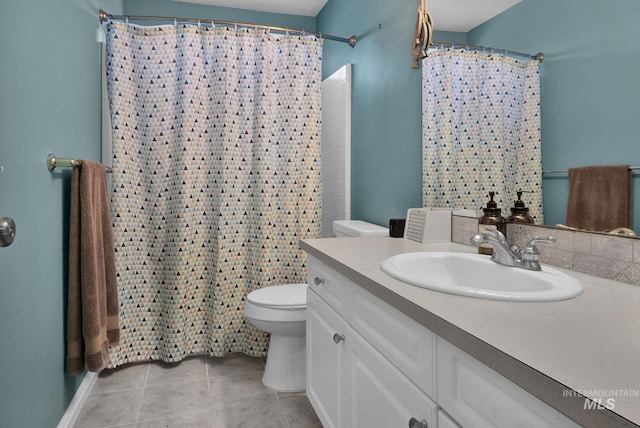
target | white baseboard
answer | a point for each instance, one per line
(73, 410)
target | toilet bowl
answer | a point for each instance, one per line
(281, 311)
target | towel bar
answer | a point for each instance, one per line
(565, 171)
(53, 162)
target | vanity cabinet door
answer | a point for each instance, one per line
(326, 337)
(476, 396)
(405, 343)
(378, 394)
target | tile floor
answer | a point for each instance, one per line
(197, 392)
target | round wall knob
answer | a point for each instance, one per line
(337, 338)
(317, 280)
(414, 423)
(7, 231)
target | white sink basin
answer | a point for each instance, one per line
(477, 276)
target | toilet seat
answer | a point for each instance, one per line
(287, 296)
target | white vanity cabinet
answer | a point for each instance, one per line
(349, 381)
(368, 365)
(350, 384)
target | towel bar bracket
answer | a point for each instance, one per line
(53, 162)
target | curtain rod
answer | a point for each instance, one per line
(538, 57)
(105, 17)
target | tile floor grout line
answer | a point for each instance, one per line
(206, 371)
(285, 415)
(206, 367)
(144, 389)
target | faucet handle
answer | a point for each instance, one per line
(530, 254)
(531, 243)
(495, 232)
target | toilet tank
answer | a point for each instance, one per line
(354, 228)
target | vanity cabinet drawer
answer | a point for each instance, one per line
(329, 284)
(476, 396)
(406, 344)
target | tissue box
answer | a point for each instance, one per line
(428, 225)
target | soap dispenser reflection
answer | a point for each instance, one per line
(520, 213)
(491, 219)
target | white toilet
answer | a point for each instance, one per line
(281, 311)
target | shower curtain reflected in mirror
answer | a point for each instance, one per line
(480, 130)
(216, 176)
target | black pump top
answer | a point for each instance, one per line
(520, 213)
(492, 206)
(519, 203)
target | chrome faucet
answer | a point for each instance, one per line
(527, 257)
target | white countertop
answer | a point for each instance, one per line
(589, 344)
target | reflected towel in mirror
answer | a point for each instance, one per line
(593, 187)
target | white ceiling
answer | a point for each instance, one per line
(289, 7)
(464, 15)
(447, 15)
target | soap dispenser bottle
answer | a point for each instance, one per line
(491, 218)
(520, 213)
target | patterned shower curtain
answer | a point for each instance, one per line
(480, 130)
(216, 176)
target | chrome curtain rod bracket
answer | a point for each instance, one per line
(106, 17)
(103, 16)
(538, 57)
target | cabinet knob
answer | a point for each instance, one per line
(414, 423)
(337, 338)
(317, 280)
(7, 231)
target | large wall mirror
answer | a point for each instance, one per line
(589, 86)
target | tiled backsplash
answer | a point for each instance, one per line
(611, 257)
(463, 229)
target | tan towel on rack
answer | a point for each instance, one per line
(92, 317)
(599, 197)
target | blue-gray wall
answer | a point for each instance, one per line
(386, 102)
(49, 102)
(590, 84)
